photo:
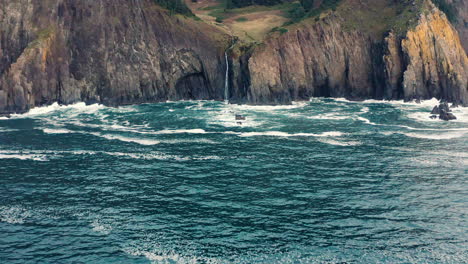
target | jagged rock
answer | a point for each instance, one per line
(325, 59)
(444, 107)
(127, 51)
(112, 52)
(435, 110)
(240, 117)
(446, 115)
(433, 117)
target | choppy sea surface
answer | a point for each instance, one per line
(325, 181)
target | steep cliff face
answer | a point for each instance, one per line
(112, 52)
(436, 63)
(329, 59)
(315, 60)
(133, 51)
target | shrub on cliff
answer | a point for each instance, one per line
(447, 8)
(243, 3)
(176, 6)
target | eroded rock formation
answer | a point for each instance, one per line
(112, 52)
(326, 59)
(132, 51)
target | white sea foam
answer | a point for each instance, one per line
(423, 103)
(78, 107)
(285, 134)
(141, 141)
(434, 136)
(101, 228)
(56, 131)
(146, 156)
(339, 143)
(13, 215)
(151, 256)
(438, 136)
(330, 116)
(45, 155)
(365, 120)
(5, 130)
(267, 108)
(27, 155)
(191, 140)
(169, 256)
(179, 131)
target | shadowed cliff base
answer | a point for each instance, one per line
(130, 52)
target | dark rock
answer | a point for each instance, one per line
(435, 110)
(454, 105)
(240, 117)
(433, 117)
(111, 52)
(447, 116)
(128, 52)
(444, 107)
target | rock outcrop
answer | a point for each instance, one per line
(111, 52)
(327, 59)
(442, 111)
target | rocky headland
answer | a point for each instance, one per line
(136, 51)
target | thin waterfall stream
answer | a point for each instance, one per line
(226, 81)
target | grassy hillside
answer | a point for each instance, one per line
(254, 20)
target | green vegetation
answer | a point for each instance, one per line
(175, 6)
(447, 8)
(42, 35)
(281, 30)
(243, 3)
(242, 19)
(221, 11)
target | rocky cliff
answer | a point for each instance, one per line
(112, 52)
(461, 6)
(133, 51)
(330, 58)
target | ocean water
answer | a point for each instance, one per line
(325, 181)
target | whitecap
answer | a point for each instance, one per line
(422, 103)
(367, 121)
(169, 256)
(56, 131)
(43, 110)
(151, 256)
(5, 130)
(268, 108)
(434, 136)
(179, 131)
(340, 143)
(285, 134)
(329, 116)
(22, 156)
(13, 215)
(146, 142)
(439, 136)
(101, 228)
(146, 156)
(196, 141)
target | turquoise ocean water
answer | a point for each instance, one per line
(325, 181)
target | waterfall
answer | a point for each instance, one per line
(226, 81)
